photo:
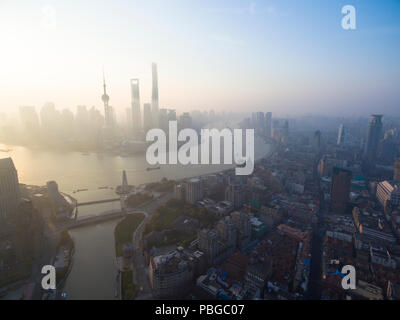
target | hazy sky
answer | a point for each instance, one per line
(282, 56)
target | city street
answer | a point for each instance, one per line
(140, 273)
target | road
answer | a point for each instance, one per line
(140, 273)
(314, 290)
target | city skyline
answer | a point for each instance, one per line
(285, 57)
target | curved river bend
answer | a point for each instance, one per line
(93, 272)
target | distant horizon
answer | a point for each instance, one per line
(284, 57)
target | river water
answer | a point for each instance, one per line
(93, 272)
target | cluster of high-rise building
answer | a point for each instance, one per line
(93, 129)
(171, 274)
(190, 190)
(261, 244)
(10, 195)
(267, 127)
(53, 127)
(230, 233)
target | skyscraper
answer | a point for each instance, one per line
(396, 176)
(194, 190)
(234, 193)
(373, 136)
(82, 122)
(163, 119)
(30, 121)
(260, 118)
(9, 189)
(171, 115)
(285, 131)
(147, 117)
(154, 95)
(50, 119)
(340, 139)
(317, 141)
(136, 114)
(341, 180)
(268, 124)
(185, 121)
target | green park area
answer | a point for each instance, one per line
(163, 219)
(129, 288)
(138, 199)
(167, 213)
(123, 234)
(124, 231)
(164, 185)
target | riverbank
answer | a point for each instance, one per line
(123, 234)
(63, 261)
(94, 253)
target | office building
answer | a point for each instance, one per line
(260, 123)
(154, 95)
(147, 117)
(396, 176)
(30, 121)
(180, 191)
(268, 124)
(185, 121)
(341, 180)
(163, 120)
(386, 191)
(372, 140)
(136, 114)
(171, 115)
(340, 139)
(49, 119)
(9, 189)
(316, 142)
(235, 195)
(208, 243)
(171, 275)
(194, 190)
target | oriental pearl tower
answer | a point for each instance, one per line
(107, 108)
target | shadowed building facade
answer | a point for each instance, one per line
(9, 189)
(136, 113)
(341, 180)
(372, 140)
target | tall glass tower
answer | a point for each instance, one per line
(136, 114)
(372, 140)
(154, 95)
(340, 139)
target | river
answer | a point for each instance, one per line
(93, 272)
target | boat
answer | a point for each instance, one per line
(151, 169)
(103, 187)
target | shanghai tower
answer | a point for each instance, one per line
(154, 95)
(136, 114)
(372, 141)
